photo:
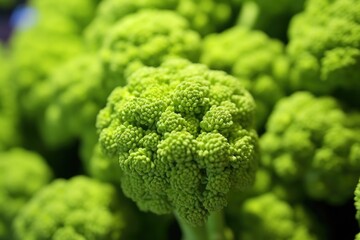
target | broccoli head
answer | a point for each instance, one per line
(73, 95)
(268, 217)
(325, 46)
(357, 201)
(204, 16)
(146, 38)
(80, 208)
(182, 135)
(312, 143)
(256, 59)
(23, 173)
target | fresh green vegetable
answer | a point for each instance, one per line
(23, 174)
(313, 144)
(204, 16)
(79, 208)
(146, 38)
(325, 47)
(268, 217)
(183, 137)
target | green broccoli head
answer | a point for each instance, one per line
(79, 208)
(182, 136)
(23, 173)
(325, 46)
(73, 95)
(256, 59)
(268, 217)
(146, 38)
(9, 119)
(204, 16)
(312, 142)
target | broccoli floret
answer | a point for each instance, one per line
(9, 118)
(313, 144)
(256, 59)
(79, 208)
(23, 173)
(183, 138)
(269, 217)
(357, 201)
(204, 16)
(272, 17)
(325, 46)
(73, 95)
(146, 38)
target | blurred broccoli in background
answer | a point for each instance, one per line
(204, 16)
(312, 143)
(325, 47)
(79, 208)
(23, 174)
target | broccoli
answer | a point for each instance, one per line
(146, 38)
(9, 118)
(268, 217)
(313, 144)
(182, 135)
(79, 208)
(204, 16)
(325, 47)
(74, 95)
(257, 60)
(23, 173)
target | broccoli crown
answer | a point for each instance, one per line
(146, 38)
(313, 143)
(23, 173)
(80, 208)
(255, 58)
(325, 46)
(8, 108)
(268, 217)
(72, 89)
(182, 136)
(357, 201)
(204, 16)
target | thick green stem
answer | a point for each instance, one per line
(215, 226)
(249, 14)
(190, 232)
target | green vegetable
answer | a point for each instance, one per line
(204, 16)
(313, 144)
(183, 137)
(256, 59)
(269, 217)
(146, 38)
(325, 47)
(23, 174)
(79, 208)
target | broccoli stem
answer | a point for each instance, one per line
(215, 226)
(249, 14)
(190, 232)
